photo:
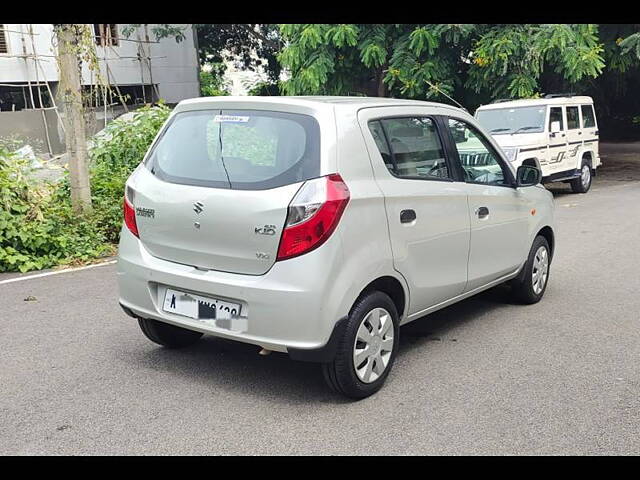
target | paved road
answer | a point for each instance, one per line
(481, 377)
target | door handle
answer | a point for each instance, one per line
(482, 212)
(407, 216)
(579, 133)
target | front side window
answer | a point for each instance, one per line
(555, 115)
(501, 121)
(413, 145)
(588, 118)
(480, 163)
(241, 150)
(573, 118)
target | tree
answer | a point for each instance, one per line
(72, 39)
(254, 45)
(435, 60)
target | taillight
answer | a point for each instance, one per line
(130, 211)
(313, 215)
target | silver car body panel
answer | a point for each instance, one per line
(295, 303)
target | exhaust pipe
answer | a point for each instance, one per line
(264, 351)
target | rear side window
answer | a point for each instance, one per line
(573, 119)
(241, 149)
(588, 118)
(410, 147)
(555, 115)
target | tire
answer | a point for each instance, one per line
(168, 335)
(524, 288)
(341, 374)
(582, 184)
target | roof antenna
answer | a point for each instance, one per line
(435, 87)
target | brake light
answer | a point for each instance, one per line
(313, 215)
(130, 211)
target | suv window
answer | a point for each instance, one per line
(588, 118)
(480, 162)
(555, 115)
(410, 147)
(241, 149)
(573, 118)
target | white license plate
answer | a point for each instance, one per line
(199, 307)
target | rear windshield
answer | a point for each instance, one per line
(238, 149)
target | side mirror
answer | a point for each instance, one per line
(555, 127)
(528, 175)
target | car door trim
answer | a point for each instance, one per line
(462, 296)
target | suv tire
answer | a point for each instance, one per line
(582, 184)
(530, 285)
(168, 335)
(372, 326)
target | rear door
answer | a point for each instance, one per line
(590, 129)
(574, 138)
(557, 147)
(426, 208)
(498, 212)
(217, 185)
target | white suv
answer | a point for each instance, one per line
(316, 226)
(558, 133)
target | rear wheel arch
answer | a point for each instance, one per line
(392, 287)
(587, 156)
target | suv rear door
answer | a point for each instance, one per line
(557, 146)
(574, 138)
(219, 183)
(426, 208)
(590, 129)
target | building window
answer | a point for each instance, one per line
(4, 48)
(106, 34)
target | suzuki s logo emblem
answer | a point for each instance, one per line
(198, 207)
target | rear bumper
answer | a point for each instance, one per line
(288, 309)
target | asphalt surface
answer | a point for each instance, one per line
(484, 376)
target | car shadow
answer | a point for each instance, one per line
(437, 326)
(219, 364)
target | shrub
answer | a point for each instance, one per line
(38, 228)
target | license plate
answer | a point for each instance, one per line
(199, 307)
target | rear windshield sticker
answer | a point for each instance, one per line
(230, 119)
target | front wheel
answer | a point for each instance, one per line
(367, 348)
(582, 184)
(529, 287)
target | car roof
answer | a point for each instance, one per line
(355, 103)
(534, 102)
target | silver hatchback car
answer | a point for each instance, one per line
(317, 226)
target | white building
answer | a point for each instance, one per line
(142, 72)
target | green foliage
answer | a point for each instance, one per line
(211, 81)
(433, 60)
(38, 228)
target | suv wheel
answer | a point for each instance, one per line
(583, 182)
(168, 335)
(530, 286)
(367, 348)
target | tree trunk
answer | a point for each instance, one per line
(382, 88)
(74, 121)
